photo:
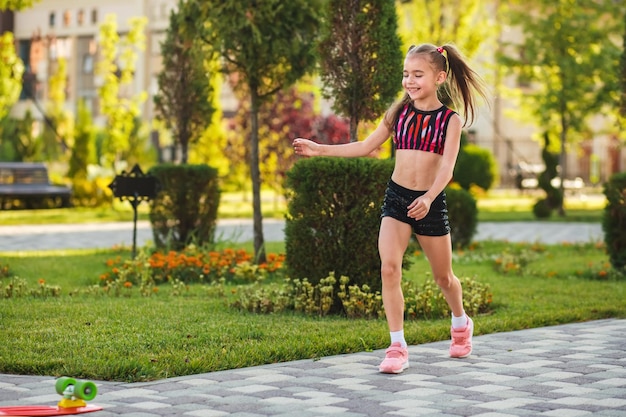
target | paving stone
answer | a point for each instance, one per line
(529, 381)
(573, 370)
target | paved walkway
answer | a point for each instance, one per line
(569, 370)
(106, 235)
(563, 371)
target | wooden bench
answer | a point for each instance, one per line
(26, 185)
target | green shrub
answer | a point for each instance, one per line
(185, 209)
(91, 192)
(16, 287)
(357, 301)
(428, 302)
(554, 197)
(360, 302)
(542, 209)
(463, 215)
(293, 295)
(475, 166)
(514, 260)
(614, 221)
(333, 218)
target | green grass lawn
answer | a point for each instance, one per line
(499, 205)
(135, 338)
(232, 205)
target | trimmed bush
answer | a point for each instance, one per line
(463, 215)
(614, 221)
(185, 209)
(475, 166)
(333, 218)
(554, 197)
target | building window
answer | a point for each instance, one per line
(51, 19)
(67, 18)
(87, 64)
(94, 16)
(60, 48)
(80, 17)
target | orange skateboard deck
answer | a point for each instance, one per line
(46, 410)
(74, 391)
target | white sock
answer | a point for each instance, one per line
(398, 337)
(459, 322)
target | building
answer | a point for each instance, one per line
(69, 29)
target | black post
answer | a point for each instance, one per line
(134, 187)
(135, 203)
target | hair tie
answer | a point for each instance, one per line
(443, 52)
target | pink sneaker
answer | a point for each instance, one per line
(396, 359)
(461, 346)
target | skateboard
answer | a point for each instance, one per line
(75, 393)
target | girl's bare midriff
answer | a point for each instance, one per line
(415, 170)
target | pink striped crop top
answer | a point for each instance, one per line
(422, 130)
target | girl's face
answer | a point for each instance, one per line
(419, 78)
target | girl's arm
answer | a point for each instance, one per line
(307, 147)
(450, 153)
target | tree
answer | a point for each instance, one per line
(361, 58)
(57, 131)
(291, 114)
(621, 84)
(184, 102)
(116, 69)
(212, 143)
(11, 70)
(16, 4)
(268, 45)
(83, 151)
(461, 22)
(564, 56)
(16, 139)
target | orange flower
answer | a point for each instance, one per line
(128, 284)
(42, 281)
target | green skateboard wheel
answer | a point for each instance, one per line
(85, 390)
(62, 384)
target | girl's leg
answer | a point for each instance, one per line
(438, 250)
(393, 240)
(392, 243)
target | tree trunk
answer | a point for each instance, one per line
(259, 243)
(184, 151)
(354, 124)
(563, 163)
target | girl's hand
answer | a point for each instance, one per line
(419, 208)
(305, 147)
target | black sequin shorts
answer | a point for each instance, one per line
(398, 198)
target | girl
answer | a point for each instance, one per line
(426, 135)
